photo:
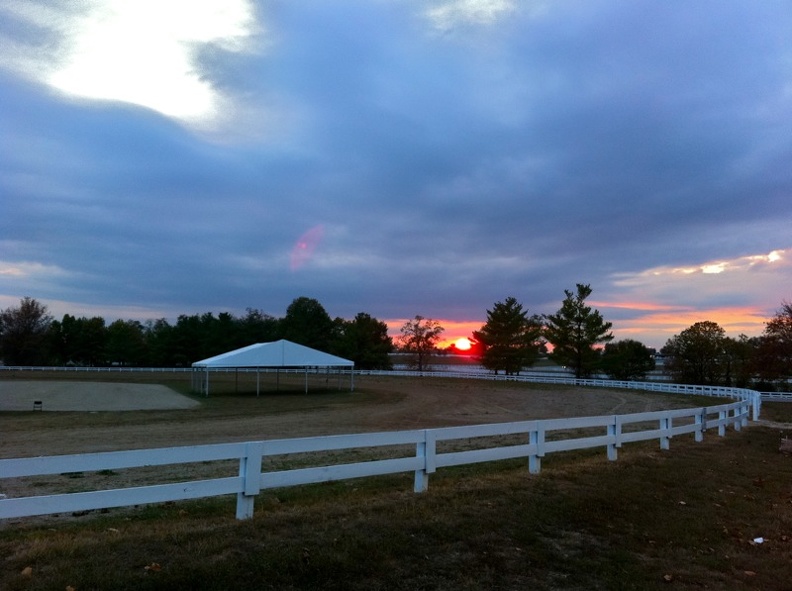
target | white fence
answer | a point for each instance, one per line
(428, 450)
(537, 375)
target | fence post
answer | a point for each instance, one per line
(537, 438)
(426, 450)
(250, 472)
(614, 431)
(722, 415)
(665, 439)
(737, 419)
(701, 424)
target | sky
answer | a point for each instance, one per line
(399, 158)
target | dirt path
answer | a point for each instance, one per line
(379, 404)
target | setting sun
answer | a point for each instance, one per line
(463, 344)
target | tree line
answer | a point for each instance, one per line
(30, 336)
(703, 354)
(511, 340)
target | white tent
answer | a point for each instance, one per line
(276, 355)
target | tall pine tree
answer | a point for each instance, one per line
(510, 338)
(575, 330)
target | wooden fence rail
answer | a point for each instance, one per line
(534, 440)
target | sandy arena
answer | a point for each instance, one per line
(18, 395)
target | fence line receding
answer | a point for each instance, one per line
(429, 450)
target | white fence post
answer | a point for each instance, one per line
(537, 438)
(614, 431)
(701, 424)
(722, 416)
(665, 438)
(427, 451)
(250, 472)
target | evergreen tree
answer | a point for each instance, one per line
(575, 330)
(510, 338)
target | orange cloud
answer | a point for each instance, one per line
(656, 328)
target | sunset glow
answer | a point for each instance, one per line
(463, 344)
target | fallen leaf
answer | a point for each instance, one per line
(749, 573)
(668, 578)
(153, 567)
(27, 571)
(70, 588)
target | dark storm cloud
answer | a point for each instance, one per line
(448, 167)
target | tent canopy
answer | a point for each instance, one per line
(281, 353)
(277, 355)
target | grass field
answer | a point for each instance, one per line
(687, 518)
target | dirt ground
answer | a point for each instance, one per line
(378, 404)
(93, 420)
(88, 396)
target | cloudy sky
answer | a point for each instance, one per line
(399, 157)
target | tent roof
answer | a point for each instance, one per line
(276, 354)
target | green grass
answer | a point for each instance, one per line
(682, 519)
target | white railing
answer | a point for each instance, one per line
(527, 439)
(532, 376)
(755, 398)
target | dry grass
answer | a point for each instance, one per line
(686, 518)
(680, 519)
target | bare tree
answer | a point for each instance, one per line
(23, 333)
(419, 338)
(774, 355)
